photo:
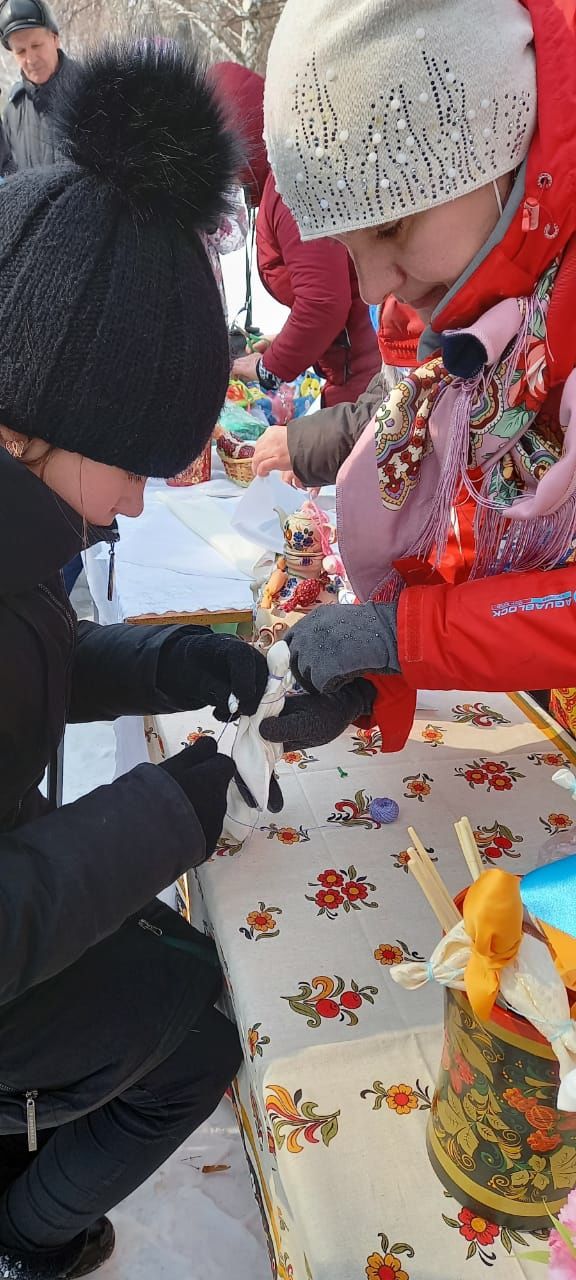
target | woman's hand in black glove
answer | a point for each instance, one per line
(200, 669)
(204, 776)
(312, 719)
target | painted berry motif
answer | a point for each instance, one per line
(497, 842)
(355, 813)
(478, 714)
(367, 742)
(293, 1120)
(329, 998)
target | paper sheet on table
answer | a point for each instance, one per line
(211, 521)
(257, 514)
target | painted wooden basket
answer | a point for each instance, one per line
(495, 1138)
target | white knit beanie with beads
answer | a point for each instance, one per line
(379, 109)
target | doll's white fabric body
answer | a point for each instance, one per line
(254, 758)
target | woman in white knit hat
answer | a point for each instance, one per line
(435, 140)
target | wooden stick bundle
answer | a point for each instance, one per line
(469, 847)
(431, 883)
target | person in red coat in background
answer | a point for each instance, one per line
(329, 325)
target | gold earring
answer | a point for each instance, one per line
(16, 448)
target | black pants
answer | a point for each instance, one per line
(86, 1167)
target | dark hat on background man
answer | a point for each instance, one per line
(113, 343)
(20, 15)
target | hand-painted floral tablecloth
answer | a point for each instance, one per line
(340, 1063)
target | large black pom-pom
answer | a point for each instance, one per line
(143, 117)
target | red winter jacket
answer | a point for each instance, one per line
(329, 325)
(513, 631)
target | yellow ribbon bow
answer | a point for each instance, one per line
(493, 916)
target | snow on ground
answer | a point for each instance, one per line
(181, 1224)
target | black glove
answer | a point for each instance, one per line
(203, 775)
(311, 719)
(200, 669)
(335, 643)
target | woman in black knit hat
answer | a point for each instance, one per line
(113, 367)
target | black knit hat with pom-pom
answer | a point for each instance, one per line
(113, 343)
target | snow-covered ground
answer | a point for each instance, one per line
(182, 1224)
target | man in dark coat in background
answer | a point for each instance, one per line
(28, 29)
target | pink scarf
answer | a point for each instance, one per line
(471, 418)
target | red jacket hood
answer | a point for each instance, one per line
(242, 93)
(513, 266)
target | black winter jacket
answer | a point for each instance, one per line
(90, 999)
(28, 128)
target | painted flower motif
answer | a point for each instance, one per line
(387, 1265)
(433, 735)
(256, 1041)
(261, 923)
(562, 1258)
(401, 1099)
(473, 1227)
(300, 758)
(458, 1069)
(554, 759)
(502, 783)
(286, 835)
(516, 1099)
(355, 892)
(388, 954)
(329, 899)
(560, 820)
(401, 860)
(417, 786)
(528, 388)
(331, 879)
(540, 1141)
(351, 893)
(476, 777)
(495, 775)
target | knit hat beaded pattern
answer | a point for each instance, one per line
(113, 342)
(379, 109)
